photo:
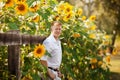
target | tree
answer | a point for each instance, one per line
(113, 6)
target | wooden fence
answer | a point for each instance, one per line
(13, 39)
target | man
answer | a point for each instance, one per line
(53, 46)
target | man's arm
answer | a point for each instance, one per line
(44, 63)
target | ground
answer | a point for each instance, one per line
(115, 67)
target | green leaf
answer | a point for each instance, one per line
(47, 53)
(30, 2)
(35, 76)
(12, 25)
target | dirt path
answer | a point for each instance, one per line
(115, 67)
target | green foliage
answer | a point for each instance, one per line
(3, 63)
(80, 40)
(77, 53)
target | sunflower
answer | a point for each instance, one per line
(34, 8)
(23, 27)
(93, 36)
(43, 2)
(108, 59)
(68, 16)
(61, 8)
(92, 27)
(17, 1)
(107, 37)
(76, 35)
(36, 18)
(39, 51)
(93, 61)
(9, 3)
(100, 63)
(68, 7)
(79, 12)
(57, 17)
(83, 18)
(115, 50)
(27, 77)
(21, 8)
(92, 18)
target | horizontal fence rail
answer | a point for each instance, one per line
(13, 38)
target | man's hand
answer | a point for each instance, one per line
(44, 63)
(60, 74)
(52, 76)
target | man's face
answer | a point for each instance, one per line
(56, 30)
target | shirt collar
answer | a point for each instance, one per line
(53, 38)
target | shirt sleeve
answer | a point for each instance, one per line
(44, 58)
(48, 47)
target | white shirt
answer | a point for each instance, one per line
(53, 47)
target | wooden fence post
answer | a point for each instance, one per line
(14, 59)
(14, 39)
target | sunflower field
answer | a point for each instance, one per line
(84, 46)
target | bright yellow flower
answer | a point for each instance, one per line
(24, 27)
(27, 77)
(76, 35)
(114, 52)
(106, 36)
(57, 17)
(93, 36)
(61, 8)
(92, 18)
(9, 3)
(92, 27)
(83, 18)
(43, 2)
(79, 12)
(17, 1)
(67, 16)
(39, 51)
(36, 18)
(34, 8)
(93, 60)
(100, 63)
(21, 8)
(68, 7)
(107, 59)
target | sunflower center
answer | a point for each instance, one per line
(8, 1)
(68, 16)
(21, 7)
(68, 9)
(39, 51)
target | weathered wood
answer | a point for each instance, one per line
(19, 39)
(14, 56)
(14, 62)
(14, 39)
